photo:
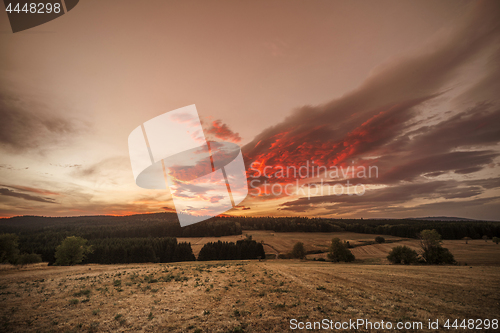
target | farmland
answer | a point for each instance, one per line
(476, 252)
(251, 296)
(237, 296)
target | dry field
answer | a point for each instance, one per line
(477, 252)
(283, 242)
(235, 296)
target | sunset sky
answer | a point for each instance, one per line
(409, 87)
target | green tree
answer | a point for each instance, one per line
(432, 251)
(9, 248)
(72, 251)
(402, 255)
(339, 251)
(298, 250)
(29, 258)
(380, 239)
(496, 240)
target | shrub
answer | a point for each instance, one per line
(432, 251)
(71, 251)
(82, 292)
(496, 240)
(242, 250)
(340, 252)
(29, 258)
(380, 239)
(402, 255)
(74, 301)
(9, 250)
(298, 250)
(285, 256)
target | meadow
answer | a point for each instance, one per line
(476, 252)
(251, 296)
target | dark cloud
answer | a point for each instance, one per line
(408, 81)
(392, 194)
(388, 196)
(479, 208)
(29, 125)
(477, 126)
(105, 168)
(30, 189)
(381, 123)
(469, 170)
(10, 193)
(488, 183)
(459, 161)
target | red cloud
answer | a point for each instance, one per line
(223, 132)
(328, 145)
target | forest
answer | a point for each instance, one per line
(243, 249)
(151, 237)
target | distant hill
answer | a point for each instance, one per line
(105, 226)
(441, 218)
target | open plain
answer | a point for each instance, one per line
(252, 296)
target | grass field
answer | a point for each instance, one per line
(249, 296)
(477, 252)
(253, 296)
(283, 242)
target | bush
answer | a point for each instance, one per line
(29, 258)
(380, 239)
(298, 250)
(439, 255)
(242, 250)
(71, 251)
(402, 255)
(9, 248)
(340, 252)
(285, 256)
(432, 251)
(496, 240)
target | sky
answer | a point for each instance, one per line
(406, 89)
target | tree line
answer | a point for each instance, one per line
(45, 229)
(243, 249)
(406, 228)
(412, 228)
(138, 250)
(142, 225)
(42, 235)
(74, 250)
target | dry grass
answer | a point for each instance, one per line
(246, 296)
(477, 252)
(283, 242)
(251, 296)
